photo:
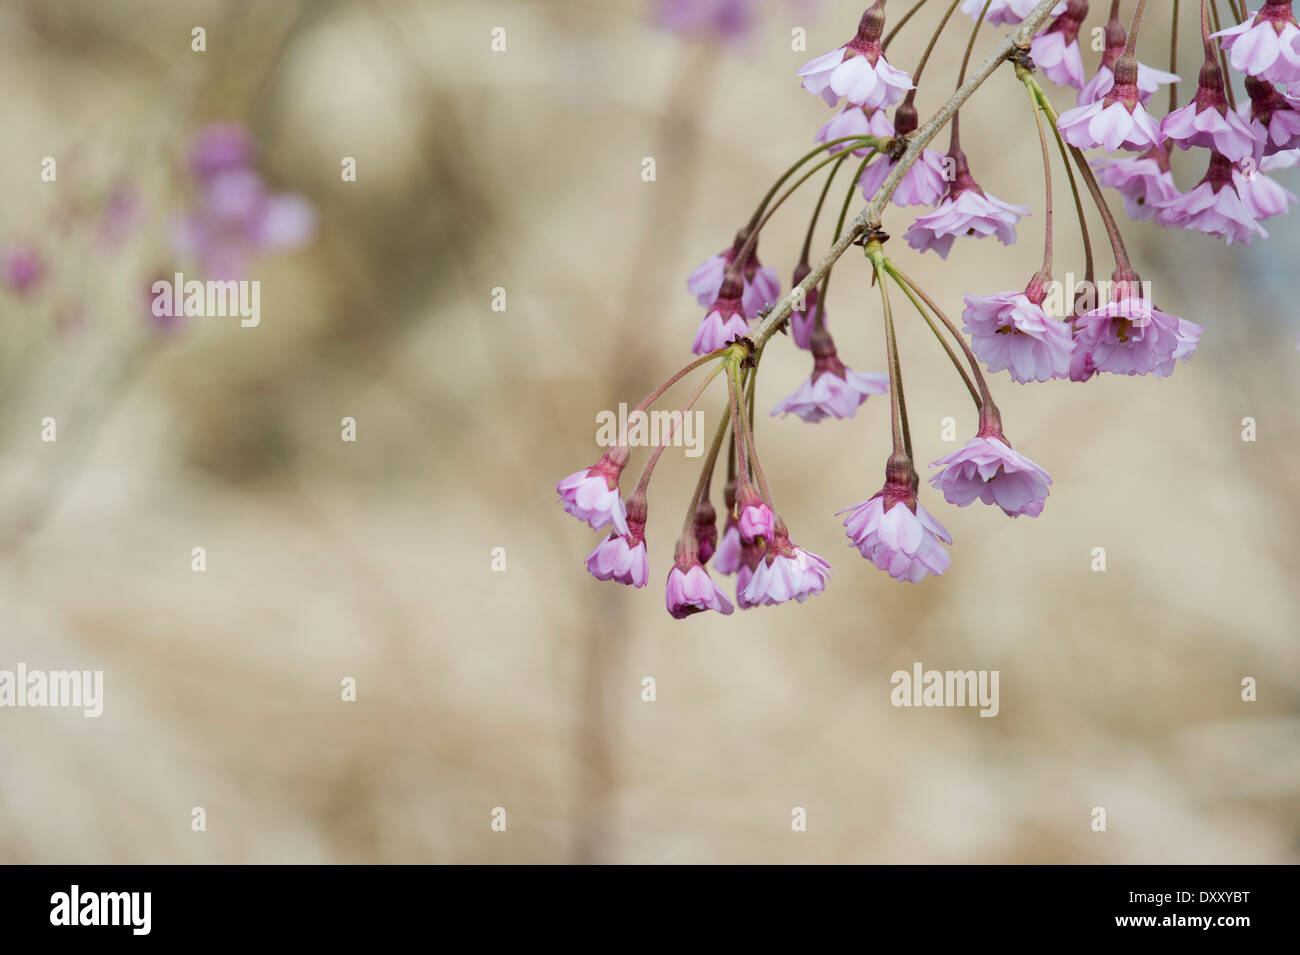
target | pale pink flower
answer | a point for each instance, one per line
(1146, 182)
(691, 590)
(722, 324)
(893, 531)
(787, 572)
(967, 213)
(727, 557)
(761, 286)
(1130, 336)
(726, 20)
(1055, 51)
(1273, 116)
(833, 391)
(621, 558)
(857, 71)
(855, 121)
(1010, 332)
(592, 495)
(1263, 196)
(1214, 207)
(1004, 11)
(1266, 44)
(986, 468)
(1149, 81)
(1118, 120)
(804, 321)
(756, 519)
(924, 184)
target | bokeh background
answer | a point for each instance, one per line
(521, 689)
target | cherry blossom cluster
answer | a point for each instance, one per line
(1111, 327)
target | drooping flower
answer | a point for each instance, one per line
(1130, 336)
(966, 211)
(924, 184)
(706, 529)
(855, 121)
(858, 71)
(723, 322)
(750, 556)
(833, 391)
(1263, 196)
(803, 321)
(1004, 11)
(690, 589)
(1214, 207)
(1207, 121)
(760, 285)
(1146, 183)
(1011, 332)
(1273, 116)
(1117, 120)
(755, 519)
(1149, 80)
(591, 495)
(1055, 51)
(1266, 44)
(986, 468)
(787, 572)
(893, 531)
(622, 557)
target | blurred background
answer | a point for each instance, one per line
(520, 169)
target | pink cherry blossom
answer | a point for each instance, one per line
(1004, 11)
(787, 572)
(1266, 44)
(971, 213)
(727, 558)
(1130, 336)
(988, 469)
(1274, 117)
(621, 558)
(924, 184)
(1263, 196)
(721, 324)
(1055, 51)
(756, 519)
(1146, 183)
(855, 121)
(761, 285)
(1214, 207)
(691, 590)
(857, 71)
(803, 322)
(1210, 126)
(1010, 332)
(898, 535)
(1149, 81)
(591, 495)
(833, 391)
(1111, 123)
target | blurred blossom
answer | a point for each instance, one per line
(236, 217)
(21, 269)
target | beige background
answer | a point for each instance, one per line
(522, 689)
